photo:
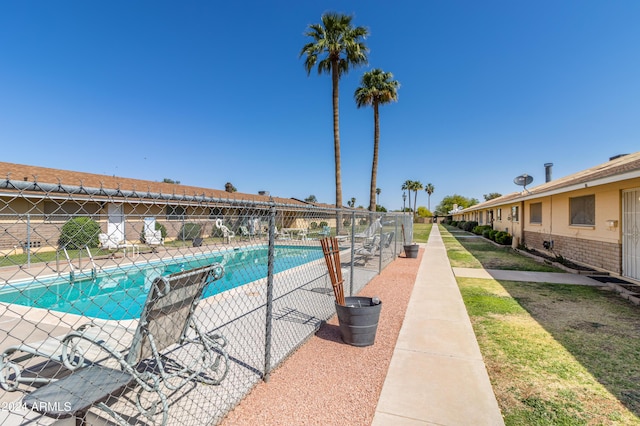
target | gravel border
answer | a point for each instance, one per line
(327, 382)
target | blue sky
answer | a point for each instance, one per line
(209, 92)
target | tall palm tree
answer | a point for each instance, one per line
(415, 187)
(407, 186)
(429, 188)
(377, 88)
(336, 47)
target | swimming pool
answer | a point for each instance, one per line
(120, 294)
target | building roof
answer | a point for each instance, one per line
(503, 199)
(619, 168)
(15, 177)
(616, 169)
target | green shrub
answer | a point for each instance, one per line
(486, 233)
(363, 221)
(189, 231)
(78, 233)
(492, 234)
(323, 223)
(461, 224)
(469, 225)
(503, 238)
(313, 225)
(483, 228)
(346, 222)
(479, 230)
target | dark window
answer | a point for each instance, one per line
(499, 214)
(63, 211)
(515, 214)
(535, 213)
(175, 212)
(216, 212)
(582, 210)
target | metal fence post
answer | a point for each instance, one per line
(395, 239)
(269, 313)
(353, 251)
(381, 246)
(28, 242)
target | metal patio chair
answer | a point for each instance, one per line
(325, 232)
(368, 234)
(166, 323)
(369, 249)
(245, 234)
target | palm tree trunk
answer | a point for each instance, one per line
(335, 78)
(374, 167)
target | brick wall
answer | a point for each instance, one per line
(42, 235)
(598, 254)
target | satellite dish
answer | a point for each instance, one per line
(523, 180)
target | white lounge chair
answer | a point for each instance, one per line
(110, 243)
(153, 238)
(227, 234)
(245, 234)
(371, 230)
(282, 234)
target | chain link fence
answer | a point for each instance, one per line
(90, 278)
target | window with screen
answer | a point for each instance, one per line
(582, 210)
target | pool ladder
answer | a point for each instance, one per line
(72, 272)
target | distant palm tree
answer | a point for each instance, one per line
(229, 187)
(352, 203)
(429, 188)
(407, 186)
(378, 191)
(342, 48)
(415, 187)
(377, 88)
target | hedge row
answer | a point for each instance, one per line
(500, 237)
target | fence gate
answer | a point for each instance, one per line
(631, 233)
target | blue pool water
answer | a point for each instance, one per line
(120, 295)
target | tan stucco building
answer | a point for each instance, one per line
(590, 217)
(36, 201)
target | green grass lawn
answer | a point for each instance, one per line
(421, 232)
(556, 354)
(468, 250)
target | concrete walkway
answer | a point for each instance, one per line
(436, 375)
(540, 277)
